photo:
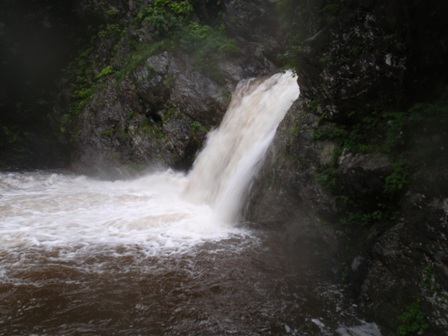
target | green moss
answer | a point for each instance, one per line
(173, 24)
(112, 12)
(13, 141)
(109, 132)
(147, 126)
(160, 134)
(170, 113)
(361, 218)
(164, 17)
(110, 30)
(140, 53)
(324, 59)
(169, 81)
(196, 127)
(398, 179)
(383, 132)
(327, 178)
(207, 45)
(366, 135)
(131, 114)
(412, 320)
(80, 78)
(329, 132)
(286, 9)
(313, 104)
(122, 135)
(428, 280)
(293, 133)
(64, 121)
(10, 134)
(103, 73)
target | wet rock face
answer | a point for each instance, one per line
(410, 259)
(366, 58)
(286, 195)
(374, 51)
(159, 112)
(363, 175)
(252, 20)
(409, 266)
(159, 115)
(356, 60)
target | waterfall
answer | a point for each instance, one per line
(234, 152)
(163, 212)
(159, 254)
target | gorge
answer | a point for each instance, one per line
(354, 185)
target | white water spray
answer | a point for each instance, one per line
(222, 172)
(77, 216)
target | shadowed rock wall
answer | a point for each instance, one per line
(358, 163)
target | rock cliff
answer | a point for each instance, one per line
(357, 166)
(156, 77)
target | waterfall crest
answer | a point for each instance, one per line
(233, 153)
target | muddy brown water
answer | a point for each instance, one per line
(237, 286)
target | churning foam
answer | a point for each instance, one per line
(74, 213)
(71, 214)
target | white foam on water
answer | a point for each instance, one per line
(54, 210)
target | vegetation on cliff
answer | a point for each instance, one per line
(365, 152)
(131, 72)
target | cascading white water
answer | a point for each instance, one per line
(76, 214)
(233, 153)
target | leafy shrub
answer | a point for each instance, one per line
(413, 321)
(172, 24)
(103, 73)
(327, 178)
(207, 45)
(396, 121)
(164, 17)
(207, 40)
(398, 179)
(141, 53)
(109, 30)
(196, 127)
